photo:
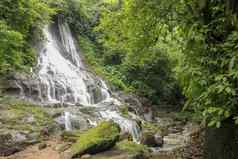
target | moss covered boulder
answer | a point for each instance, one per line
(97, 139)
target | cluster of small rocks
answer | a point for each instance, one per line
(187, 144)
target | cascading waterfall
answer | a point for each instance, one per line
(65, 79)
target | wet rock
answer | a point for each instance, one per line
(152, 140)
(42, 146)
(159, 139)
(95, 92)
(77, 120)
(20, 84)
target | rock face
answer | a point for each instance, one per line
(21, 85)
(97, 139)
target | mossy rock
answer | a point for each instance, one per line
(132, 148)
(97, 139)
(24, 117)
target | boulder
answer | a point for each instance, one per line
(152, 140)
(97, 139)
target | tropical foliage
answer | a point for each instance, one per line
(162, 50)
(20, 20)
(154, 45)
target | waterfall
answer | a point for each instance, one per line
(126, 125)
(68, 125)
(64, 79)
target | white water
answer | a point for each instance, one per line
(64, 79)
(68, 125)
(57, 70)
(126, 125)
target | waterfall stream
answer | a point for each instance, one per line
(65, 80)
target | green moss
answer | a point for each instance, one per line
(97, 139)
(16, 113)
(131, 147)
(71, 135)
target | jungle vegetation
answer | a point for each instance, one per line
(166, 51)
